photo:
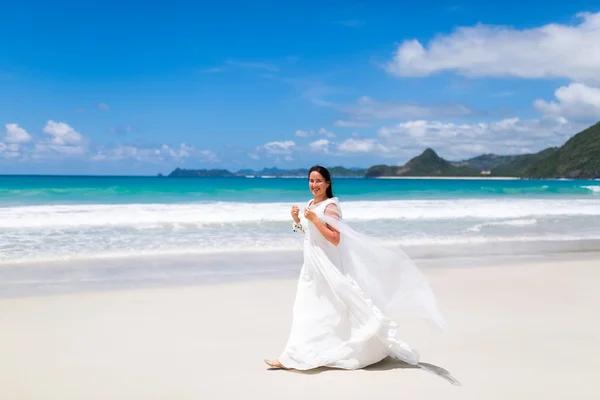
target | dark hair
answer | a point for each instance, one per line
(325, 173)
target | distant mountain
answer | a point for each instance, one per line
(189, 173)
(303, 172)
(246, 172)
(426, 164)
(335, 171)
(347, 172)
(578, 158)
(282, 172)
(515, 165)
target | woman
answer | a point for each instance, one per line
(350, 293)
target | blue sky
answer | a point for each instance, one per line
(141, 88)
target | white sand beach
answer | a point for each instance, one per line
(526, 331)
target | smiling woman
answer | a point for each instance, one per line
(320, 185)
(351, 292)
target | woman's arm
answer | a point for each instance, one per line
(327, 231)
(332, 235)
(296, 225)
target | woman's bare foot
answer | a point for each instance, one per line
(275, 364)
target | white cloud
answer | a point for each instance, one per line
(423, 129)
(49, 150)
(326, 133)
(16, 134)
(254, 156)
(185, 151)
(103, 107)
(321, 145)
(456, 141)
(350, 124)
(361, 146)
(552, 50)
(164, 153)
(62, 134)
(478, 148)
(285, 147)
(577, 101)
(64, 141)
(322, 131)
(10, 151)
(301, 133)
(207, 155)
(368, 109)
(117, 153)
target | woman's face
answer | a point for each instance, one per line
(317, 184)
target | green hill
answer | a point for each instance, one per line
(426, 164)
(514, 165)
(347, 172)
(578, 158)
(194, 173)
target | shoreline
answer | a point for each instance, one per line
(97, 275)
(180, 342)
(434, 250)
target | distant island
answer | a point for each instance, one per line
(578, 158)
(270, 172)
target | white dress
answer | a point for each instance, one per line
(348, 297)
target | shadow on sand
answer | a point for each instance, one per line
(389, 364)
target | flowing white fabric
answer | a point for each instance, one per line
(349, 298)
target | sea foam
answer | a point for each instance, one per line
(62, 232)
(218, 213)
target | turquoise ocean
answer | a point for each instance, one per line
(53, 218)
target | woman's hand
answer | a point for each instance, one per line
(331, 234)
(309, 215)
(295, 210)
